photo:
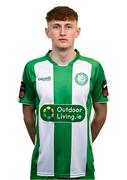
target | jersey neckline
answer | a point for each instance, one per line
(70, 63)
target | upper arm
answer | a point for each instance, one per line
(100, 109)
(27, 94)
(27, 108)
(28, 112)
(29, 119)
(100, 90)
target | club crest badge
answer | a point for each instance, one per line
(81, 79)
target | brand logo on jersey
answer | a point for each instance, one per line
(48, 78)
(81, 79)
(62, 113)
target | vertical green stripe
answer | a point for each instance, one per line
(62, 131)
(35, 154)
(36, 148)
(90, 160)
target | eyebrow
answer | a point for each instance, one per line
(64, 24)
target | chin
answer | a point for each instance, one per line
(63, 47)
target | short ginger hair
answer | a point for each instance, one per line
(62, 13)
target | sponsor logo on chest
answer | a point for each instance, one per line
(62, 113)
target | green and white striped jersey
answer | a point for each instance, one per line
(63, 96)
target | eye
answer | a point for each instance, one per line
(69, 26)
(55, 26)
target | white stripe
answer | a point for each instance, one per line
(79, 130)
(45, 164)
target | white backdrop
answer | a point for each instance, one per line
(103, 37)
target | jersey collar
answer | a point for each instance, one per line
(70, 63)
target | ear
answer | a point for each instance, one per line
(47, 32)
(77, 32)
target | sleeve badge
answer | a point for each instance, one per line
(22, 90)
(104, 89)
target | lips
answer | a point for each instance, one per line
(62, 39)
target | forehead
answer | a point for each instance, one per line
(62, 22)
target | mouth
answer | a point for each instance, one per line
(62, 39)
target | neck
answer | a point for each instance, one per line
(62, 57)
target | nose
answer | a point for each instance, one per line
(62, 31)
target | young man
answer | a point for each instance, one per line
(57, 92)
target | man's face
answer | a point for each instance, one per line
(62, 33)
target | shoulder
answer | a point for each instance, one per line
(95, 63)
(31, 63)
(35, 61)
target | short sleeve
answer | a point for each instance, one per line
(27, 92)
(100, 89)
